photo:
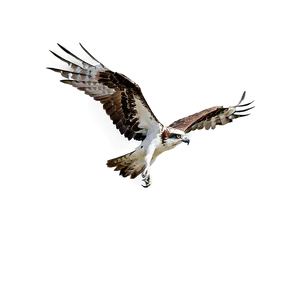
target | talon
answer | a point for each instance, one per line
(146, 177)
(146, 187)
(147, 184)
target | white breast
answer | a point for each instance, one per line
(163, 150)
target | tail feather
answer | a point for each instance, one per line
(127, 164)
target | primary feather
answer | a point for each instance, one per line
(211, 117)
(123, 101)
(121, 97)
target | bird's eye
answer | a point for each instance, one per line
(178, 136)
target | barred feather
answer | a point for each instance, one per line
(122, 98)
(128, 165)
(211, 117)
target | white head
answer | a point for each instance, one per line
(172, 137)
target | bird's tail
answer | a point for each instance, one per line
(127, 164)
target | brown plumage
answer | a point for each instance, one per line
(126, 106)
(165, 135)
(122, 98)
(127, 164)
(209, 118)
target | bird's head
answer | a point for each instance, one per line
(174, 137)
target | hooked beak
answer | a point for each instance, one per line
(186, 140)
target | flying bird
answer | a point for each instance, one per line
(123, 101)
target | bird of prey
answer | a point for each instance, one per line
(123, 101)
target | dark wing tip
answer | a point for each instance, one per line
(87, 51)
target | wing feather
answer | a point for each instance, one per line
(211, 117)
(121, 97)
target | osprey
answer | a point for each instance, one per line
(124, 102)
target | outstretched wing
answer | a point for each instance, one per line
(211, 117)
(122, 98)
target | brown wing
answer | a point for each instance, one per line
(122, 98)
(209, 118)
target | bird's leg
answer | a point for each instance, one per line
(146, 173)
